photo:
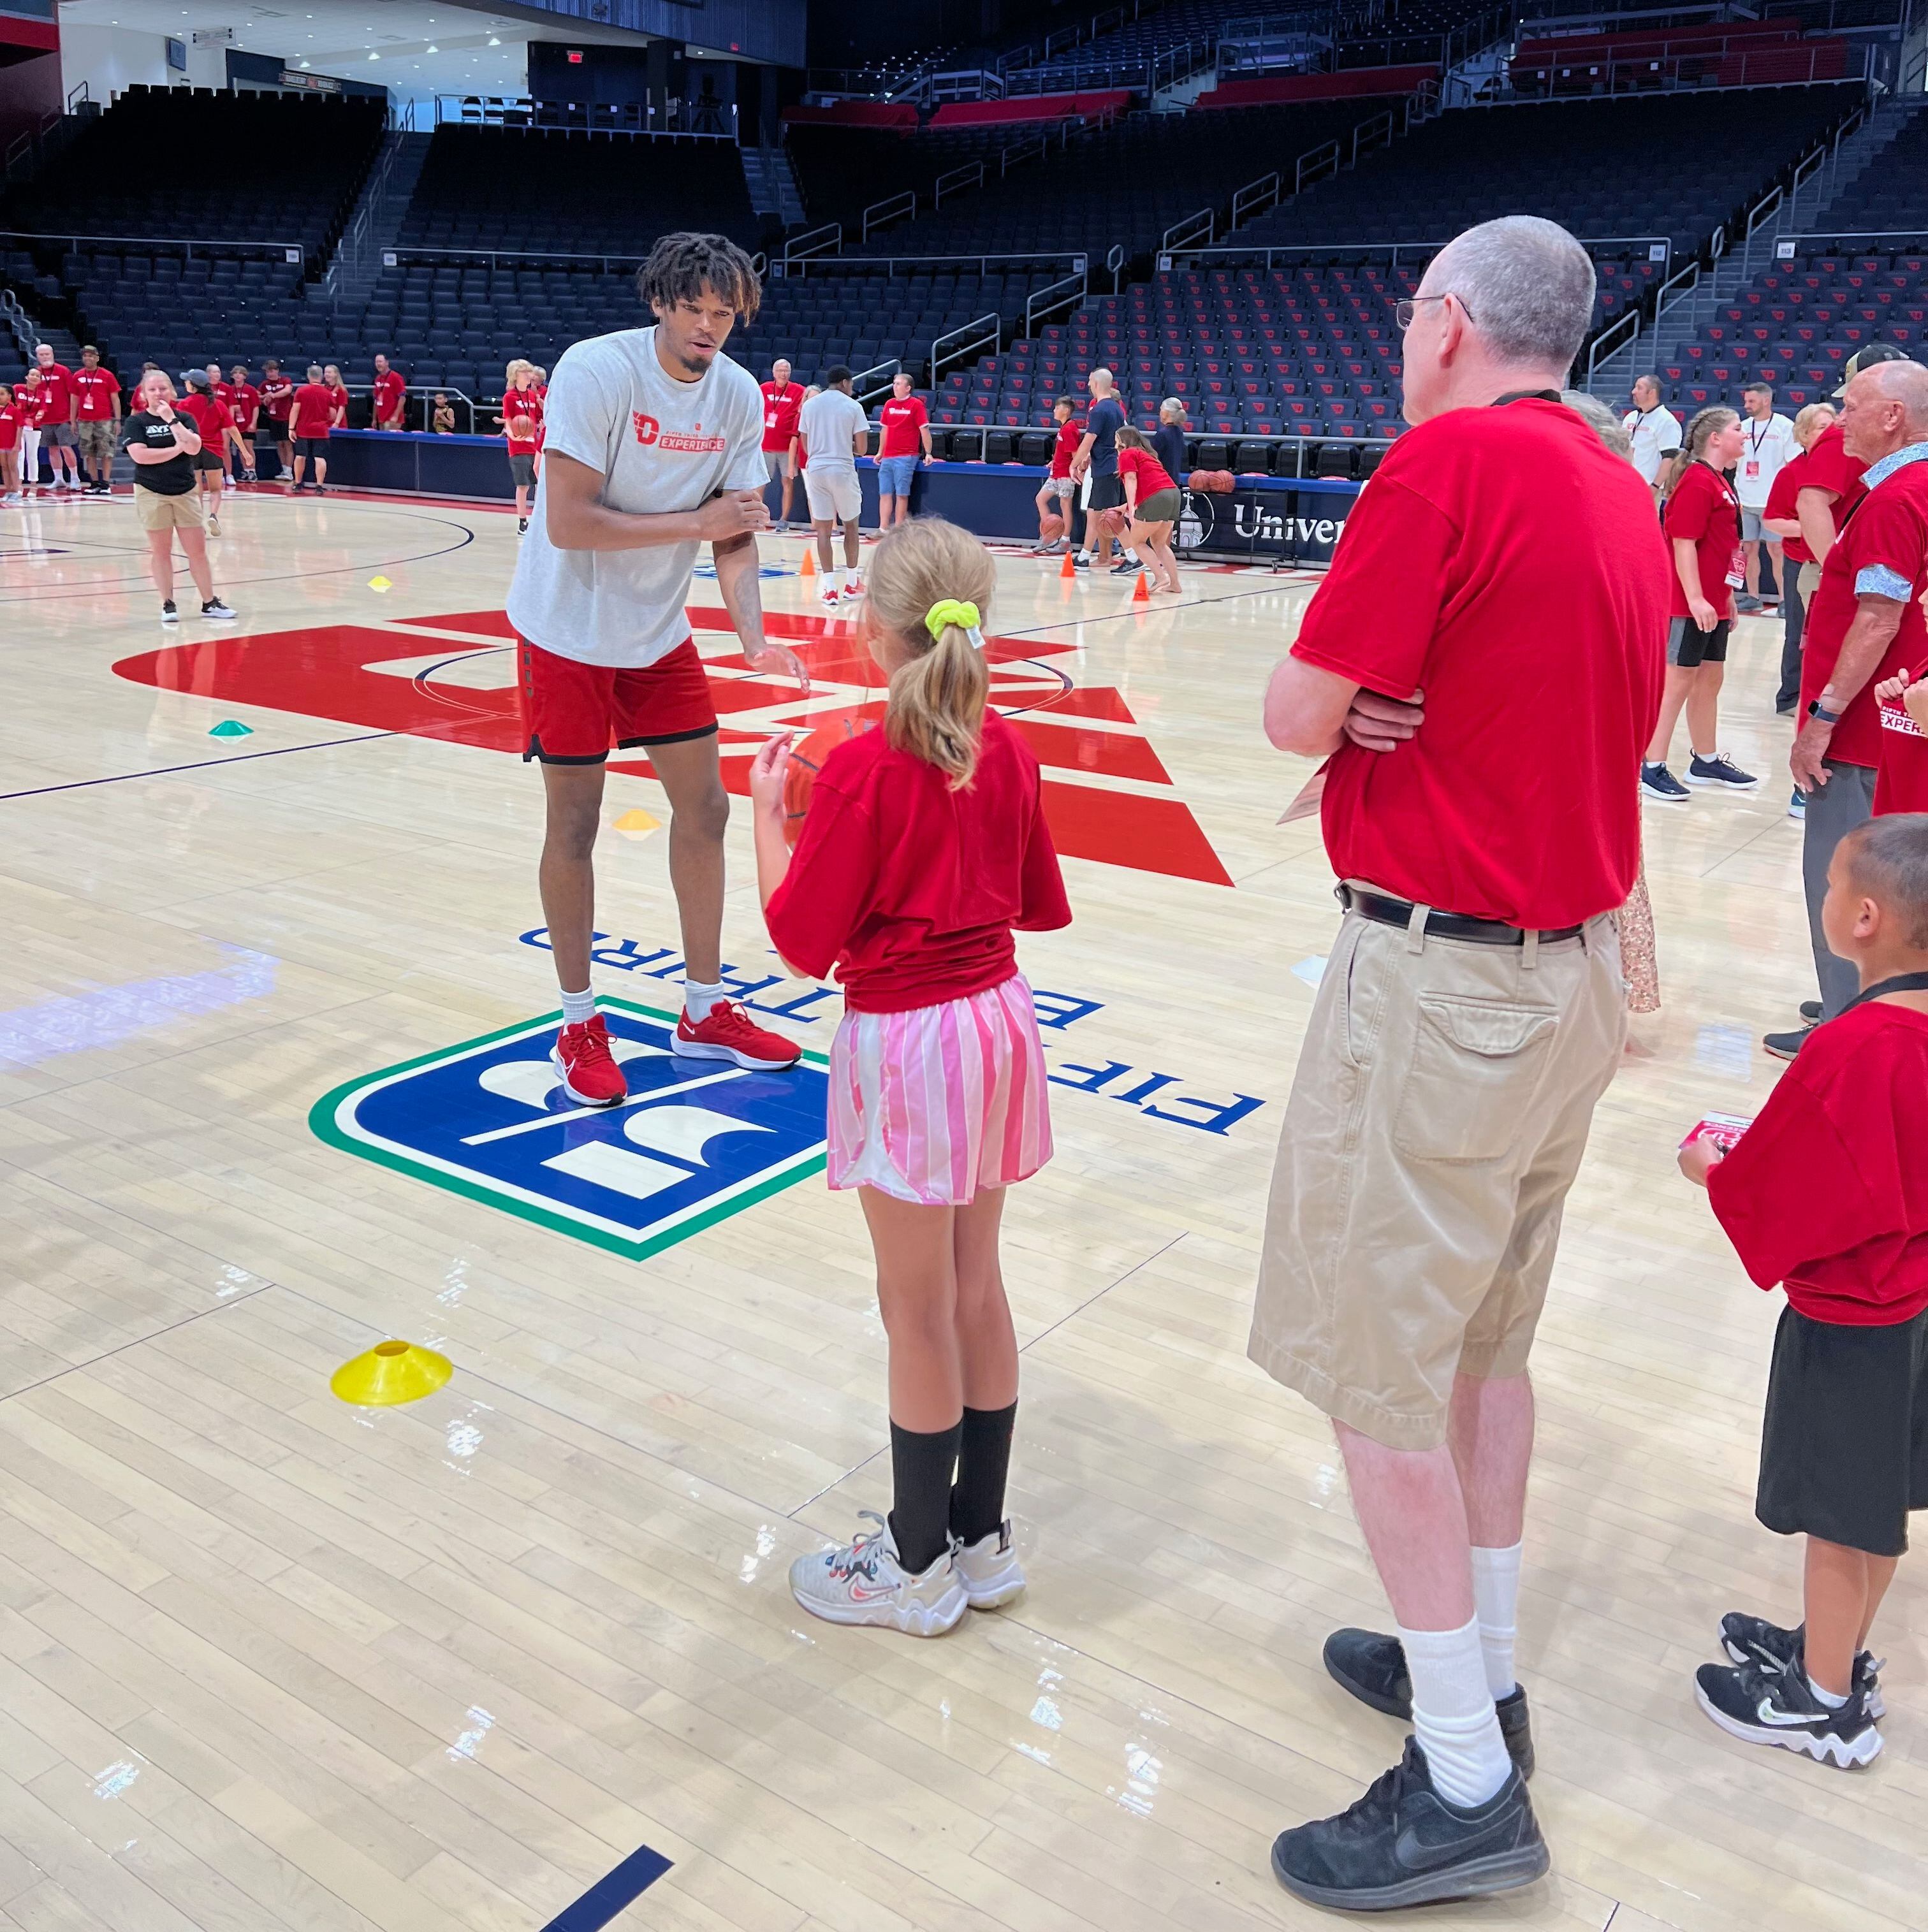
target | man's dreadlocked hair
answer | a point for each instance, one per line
(680, 265)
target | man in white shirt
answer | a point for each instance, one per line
(1656, 431)
(834, 432)
(1770, 442)
(654, 447)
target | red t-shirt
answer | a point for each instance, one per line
(56, 392)
(1826, 1192)
(225, 390)
(1070, 435)
(903, 419)
(1830, 467)
(1152, 475)
(391, 391)
(12, 420)
(338, 393)
(1780, 504)
(313, 411)
(1886, 533)
(1705, 512)
(245, 402)
(518, 446)
(97, 389)
(277, 393)
(1901, 782)
(1504, 563)
(38, 403)
(781, 404)
(209, 416)
(911, 889)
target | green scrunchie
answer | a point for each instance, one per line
(948, 611)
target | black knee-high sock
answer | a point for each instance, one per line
(983, 1462)
(920, 1472)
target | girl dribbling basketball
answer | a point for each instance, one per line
(924, 847)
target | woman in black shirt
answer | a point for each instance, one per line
(163, 446)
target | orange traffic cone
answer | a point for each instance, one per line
(810, 568)
(1141, 592)
(1068, 569)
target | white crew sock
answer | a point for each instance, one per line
(1453, 1716)
(578, 1007)
(697, 1000)
(1496, 1593)
(1828, 1700)
(850, 577)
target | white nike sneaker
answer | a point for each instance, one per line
(988, 1570)
(863, 1583)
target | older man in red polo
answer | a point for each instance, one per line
(1481, 667)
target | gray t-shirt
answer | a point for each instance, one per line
(662, 445)
(829, 424)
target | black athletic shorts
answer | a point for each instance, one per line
(1687, 645)
(1107, 492)
(1844, 1445)
(313, 447)
(207, 460)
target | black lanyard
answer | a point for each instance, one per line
(1755, 441)
(1902, 982)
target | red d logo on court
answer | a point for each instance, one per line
(647, 428)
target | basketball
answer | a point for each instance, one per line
(1050, 527)
(806, 760)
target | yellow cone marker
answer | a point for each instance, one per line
(638, 824)
(390, 1373)
(380, 583)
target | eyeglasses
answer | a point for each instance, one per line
(1403, 312)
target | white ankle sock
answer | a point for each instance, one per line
(1828, 1700)
(578, 1007)
(1452, 1713)
(1496, 1592)
(698, 999)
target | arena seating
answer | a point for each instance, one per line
(575, 194)
(242, 166)
(1128, 184)
(1663, 165)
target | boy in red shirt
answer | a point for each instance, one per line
(11, 419)
(97, 421)
(277, 397)
(1059, 491)
(244, 404)
(1827, 1195)
(1703, 525)
(518, 431)
(906, 439)
(925, 845)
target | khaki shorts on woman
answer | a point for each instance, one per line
(157, 512)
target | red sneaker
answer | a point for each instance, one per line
(590, 1075)
(729, 1034)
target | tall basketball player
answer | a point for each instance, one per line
(654, 447)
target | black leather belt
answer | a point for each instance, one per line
(1384, 911)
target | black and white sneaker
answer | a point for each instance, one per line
(1657, 781)
(1779, 1708)
(169, 615)
(1403, 1844)
(521, 527)
(1720, 770)
(1372, 1666)
(1081, 560)
(1750, 1640)
(1785, 1045)
(1127, 567)
(1810, 1011)
(216, 612)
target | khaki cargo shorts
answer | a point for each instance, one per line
(1437, 1118)
(157, 512)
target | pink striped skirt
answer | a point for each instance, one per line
(931, 1104)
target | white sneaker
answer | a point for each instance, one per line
(988, 1569)
(863, 1583)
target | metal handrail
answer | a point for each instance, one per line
(430, 390)
(989, 330)
(1013, 152)
(1393, 250)
(971, 175)
(855, 263)
(1068, 292)
(886, 369)
(897, 207)
(528, 109)
(292, 253)
(1181, 233)
(1115, 259)
(1691, 72)
(1256, 196)
(406, 251)
(813, 242)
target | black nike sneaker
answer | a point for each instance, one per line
(1373, 1668)
(1754, 1640)
(1403, 1844)
(1779, 1708)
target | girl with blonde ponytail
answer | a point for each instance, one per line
(925, 846)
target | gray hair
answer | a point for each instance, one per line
(1601, 421)
(1905, 383)
(1172, 410)
(1525, 284)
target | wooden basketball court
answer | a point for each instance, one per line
(269, 1661)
